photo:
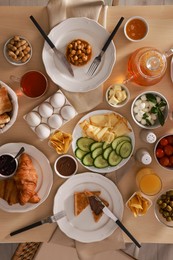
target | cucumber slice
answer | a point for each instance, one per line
(117, 149)
(87, 160)
(100, 162)
(105, 145)
(96, 152)
(84, 143)
(106, 152)
(119, 139)
(114, 159)
(79, 153)
(95, 145)
(125, 149)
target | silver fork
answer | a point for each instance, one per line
(94, 65)
(49, 219)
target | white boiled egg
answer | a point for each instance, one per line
(43, 131)
(55, 121)
(57, 100)
(67, 112)
(45, 110)
(33, 119)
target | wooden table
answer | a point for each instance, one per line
(15, 20)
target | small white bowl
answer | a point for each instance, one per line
(142, 21)
(12, 61)
(121, 103)
(144, 196)
(14, 165)
(63, 165)
(156, 121)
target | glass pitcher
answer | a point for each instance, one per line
(147, 66)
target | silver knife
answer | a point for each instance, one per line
(50, 219)
(96, 203)
(59, 54)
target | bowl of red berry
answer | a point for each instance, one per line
(163, 151)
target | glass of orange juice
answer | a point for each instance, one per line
(148, 181)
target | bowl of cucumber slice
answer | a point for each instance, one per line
(102, 156)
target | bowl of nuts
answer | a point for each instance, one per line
(17, 50)
(164, 208)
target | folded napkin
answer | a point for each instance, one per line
(58, 11)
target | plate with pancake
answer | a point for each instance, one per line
(103, 127)
(84, 227)
(43, 171)
(86, 31)
(8, 107)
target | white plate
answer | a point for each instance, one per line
(83, 227)
(14, 112)
(90, 31)
(44, 171)
(77, 133)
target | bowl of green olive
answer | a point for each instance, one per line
(164, 208)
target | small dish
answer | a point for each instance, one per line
(18, 50)
(65, 166)
(117, 95)
(163, 208)
(144, 109)
(136, 210)
(8, 168)
(136, 29)
(163, 151)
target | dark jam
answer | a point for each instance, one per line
(66, 166)
(6, 166)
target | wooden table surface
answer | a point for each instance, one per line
(15, 20)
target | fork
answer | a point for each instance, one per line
(94, 65)
(50, 219)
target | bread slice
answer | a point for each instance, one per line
(81, 201)
(97, 212)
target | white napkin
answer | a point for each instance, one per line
(58, 11)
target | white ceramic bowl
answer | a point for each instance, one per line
(138, 111)
(161, 210)
(121, 103)
(164, 153)
(65, 166)
(12, 61)
(14, 112)
(7, 166)
(140, 20)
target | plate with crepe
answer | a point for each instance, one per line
(103, 141)
(40, 174)
(84, 227)
(8, 107)
(88, 32)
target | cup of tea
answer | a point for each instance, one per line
(33, 83)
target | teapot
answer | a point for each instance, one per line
(147, 66)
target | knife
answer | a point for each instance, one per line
(50, 219)
(96, 202)
(58, 54)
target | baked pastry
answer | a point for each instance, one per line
(5, 103)
(26, 179)
(8, 191)
(4, 118)
(81, 201)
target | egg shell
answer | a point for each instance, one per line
(57, 100)
(33, 119)
(67, 112)
(55, 121)
(43, 131)
(45, 110)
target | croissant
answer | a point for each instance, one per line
(26, 179)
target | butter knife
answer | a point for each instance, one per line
(58, 54)
(96, 203)
(50, 219)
